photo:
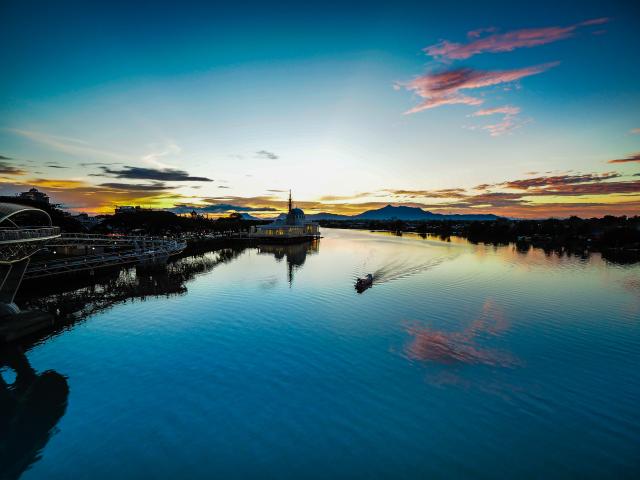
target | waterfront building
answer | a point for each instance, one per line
(293, 225)
(34, 195)
(127, 209)
(86, 221)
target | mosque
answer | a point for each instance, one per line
(293, 226)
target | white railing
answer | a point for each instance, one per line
(28, 234)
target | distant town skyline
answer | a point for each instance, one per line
(520, 111)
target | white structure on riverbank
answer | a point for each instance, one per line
(294, 225)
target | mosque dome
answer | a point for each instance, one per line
(295, 216)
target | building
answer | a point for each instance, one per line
(35, 196)
(86, 221)
(127, 209)
(292, 226)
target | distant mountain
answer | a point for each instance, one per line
(327, 216)
(246, 216)
(414, 213)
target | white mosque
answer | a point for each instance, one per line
(293, 226)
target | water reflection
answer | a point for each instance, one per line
(462, 347)
(31, 403)
(30, 408)
(294, 254)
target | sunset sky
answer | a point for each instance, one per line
(518, 109)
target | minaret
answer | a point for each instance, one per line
(290, 205)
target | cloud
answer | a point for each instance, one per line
(137, 187)
(167, 150)
(504, 42)
(506, 110)
(54, 165)
(443, 193)
(103, 164)
(7, 169)
(334, 198)
(266, 154)
(635, 157)
(446, 87)
(68, 145)
(80, 195)
(504, 126)
(141, 173)
(536, 197)
(604, 188)
(2, 157)
(509, 121)
(635, 131)
(221, 208)
(527, 183)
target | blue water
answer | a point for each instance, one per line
(461, 361)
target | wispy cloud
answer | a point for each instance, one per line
(71, 146)
(635, 131)
(631, 158)
(154, 158)
(98, 164)
(334, 198)
(7, 169)
(480, 42)
(267, 154)
(447, 87)
(137, 187)
(506, 110)
(141, 173)
(504, 126)
(223, 208)
(546, 181)
(509, 122)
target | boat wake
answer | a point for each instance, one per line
(398, 270)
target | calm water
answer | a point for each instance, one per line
(461, 360)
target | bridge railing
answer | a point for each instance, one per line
(27, 234)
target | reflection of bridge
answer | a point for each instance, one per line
(26, 230)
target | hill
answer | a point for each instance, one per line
(414, 213)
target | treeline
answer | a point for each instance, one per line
(158, 222)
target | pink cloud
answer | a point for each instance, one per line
(462, 347)
(505, 42)
(445, 88)
(506, 110)
(635, 131)
(631, 158)
(504, 126)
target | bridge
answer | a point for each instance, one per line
(23, 231)
(98, 251)
(26, 230)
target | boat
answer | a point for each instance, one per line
(363, 283)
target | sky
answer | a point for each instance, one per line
(526, 110)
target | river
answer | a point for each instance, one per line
(460, 360)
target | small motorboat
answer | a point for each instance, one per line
(363, 283)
